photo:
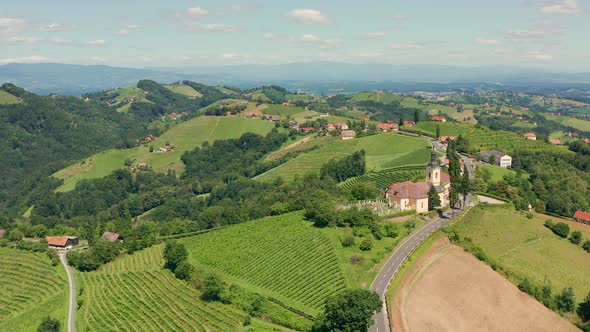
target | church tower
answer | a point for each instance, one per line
(433, 170)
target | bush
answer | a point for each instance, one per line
(347, 240)
(529, 215)
(565, 301)
(586, 245)
(184, 271)
(52, 254)
(212, 288)
(390, 230)
(576, 237)
(561, 229)
(366, 245)
(49, 324)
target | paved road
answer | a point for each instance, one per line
(489, 200)
(392, 266)
(72, 283)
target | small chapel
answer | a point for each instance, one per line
(404, 196)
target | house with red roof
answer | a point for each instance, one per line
(409, 123)
(287, 104)
(405, 196)
(111, 237)
(555, 141)
(348, 134)
(582, 216)
(306, 130)
(341, 126)
(530, 136)
(587, 140)
(445, 139)
(438, 118)
(330, 127)
(385, 127)
(61, 242)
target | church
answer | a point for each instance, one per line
(404, 196)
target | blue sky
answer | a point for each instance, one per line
(549, 34)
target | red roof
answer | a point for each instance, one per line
(57, 241)
(444, 178)
(409, 123)
(438, 118)
(112, 237)
(387, 126)
(587, 140)
(306, 129)
(530, 135)
(409, 189)
(555, 141)
(582, 215)
(443, 139)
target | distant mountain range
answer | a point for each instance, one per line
(317, 77)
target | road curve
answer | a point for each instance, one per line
(72, 283)
(392, 266)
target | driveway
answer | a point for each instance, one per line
(72, 283)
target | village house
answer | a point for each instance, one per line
(166, 148)
(149, 138)
(530, 136)
(587, 140)
(446, 139)
(582, 216)
(111, 237)
(348, 134)
(287, 104)
(330, 127)
(385, 127)
(306, 130)
(2, 233)
(252, 114)
(405, 196)
(142, 165)
(273, 117)
(61, 242)
(438, 118)
(499, 158)
(409, 123)
(341, 126)
(555, 141)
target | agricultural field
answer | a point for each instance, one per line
(526, 248)
(126, 96)
(483, 138)
(31, 289)
(305, 98)
(7, 98)
(283, 111)
(385, 178)
(579, 124)
(135, 293)
(381, 97)
(383, 151)
(464, 295)
(184, 89)
(282, 257)
(183, 137)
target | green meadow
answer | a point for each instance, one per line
(7, 98)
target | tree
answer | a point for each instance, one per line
(366, 245)
(433, 199)
(174, 254)
(465, 185)
(401, 121)
(362, 190)
(565, 301)
(492, 160)
(49, 324)
(184, 271)
(586, 245)
(349, 311)
(416, 116)
(561, 229)
(576, 237)
(584, 309)
(437, 131)
(212, 288)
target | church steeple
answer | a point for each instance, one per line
(433, 170)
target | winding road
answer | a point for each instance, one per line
(72, 283)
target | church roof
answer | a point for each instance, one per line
(409, 189)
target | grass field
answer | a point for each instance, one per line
(497, 172)
(283, 111)
(183, 137)
(383, 151)
(30, 289)
(7, 98)
(527, 248)
(283, 257)
(380, 97)
(305, 98)
(578, 124)
(184, 90)
(134, 293)
(124, 97)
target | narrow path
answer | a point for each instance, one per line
(72, 283)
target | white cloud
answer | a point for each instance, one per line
(376, 34)
(56, 27)
(98, 59)
(486, 42)
(231, 56)
(197, 12)
(310, 38)
(122, 32)
(215, 28)
(405, 46)
(133, 26)
(98, 42)
(29, 59)
(308, 16)
(25, 40)
(11, 25)
(563, 7)
(537, 55)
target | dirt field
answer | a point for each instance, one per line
(447, 289)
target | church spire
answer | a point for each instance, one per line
(433, 162)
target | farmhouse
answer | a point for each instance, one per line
(388, 127)
(287, 104)
(306, 130)
(341, 126)
(438, 118)
(330, 127)
(409, 123)
(348, 134)
(555, 141)
(582, 216)
(446, 139)
(587, 140)
(404, 196)
(530, 136)
(111, 237)
(142, 165)
(497, 158)
(61, 242)
(273, 117)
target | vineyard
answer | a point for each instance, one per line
(386, 178)
(384, 151)
(281, 110)
(134, 293)
(31, 288)
(281, 257)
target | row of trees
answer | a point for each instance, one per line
(345, 168)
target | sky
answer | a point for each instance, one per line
(547, 34)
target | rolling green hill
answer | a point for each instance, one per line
(123, 98)
(383, 151)
(31, 289)
(183, 137)
(283, 257)
(184, 89)
(135, 293)
(7, 98)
